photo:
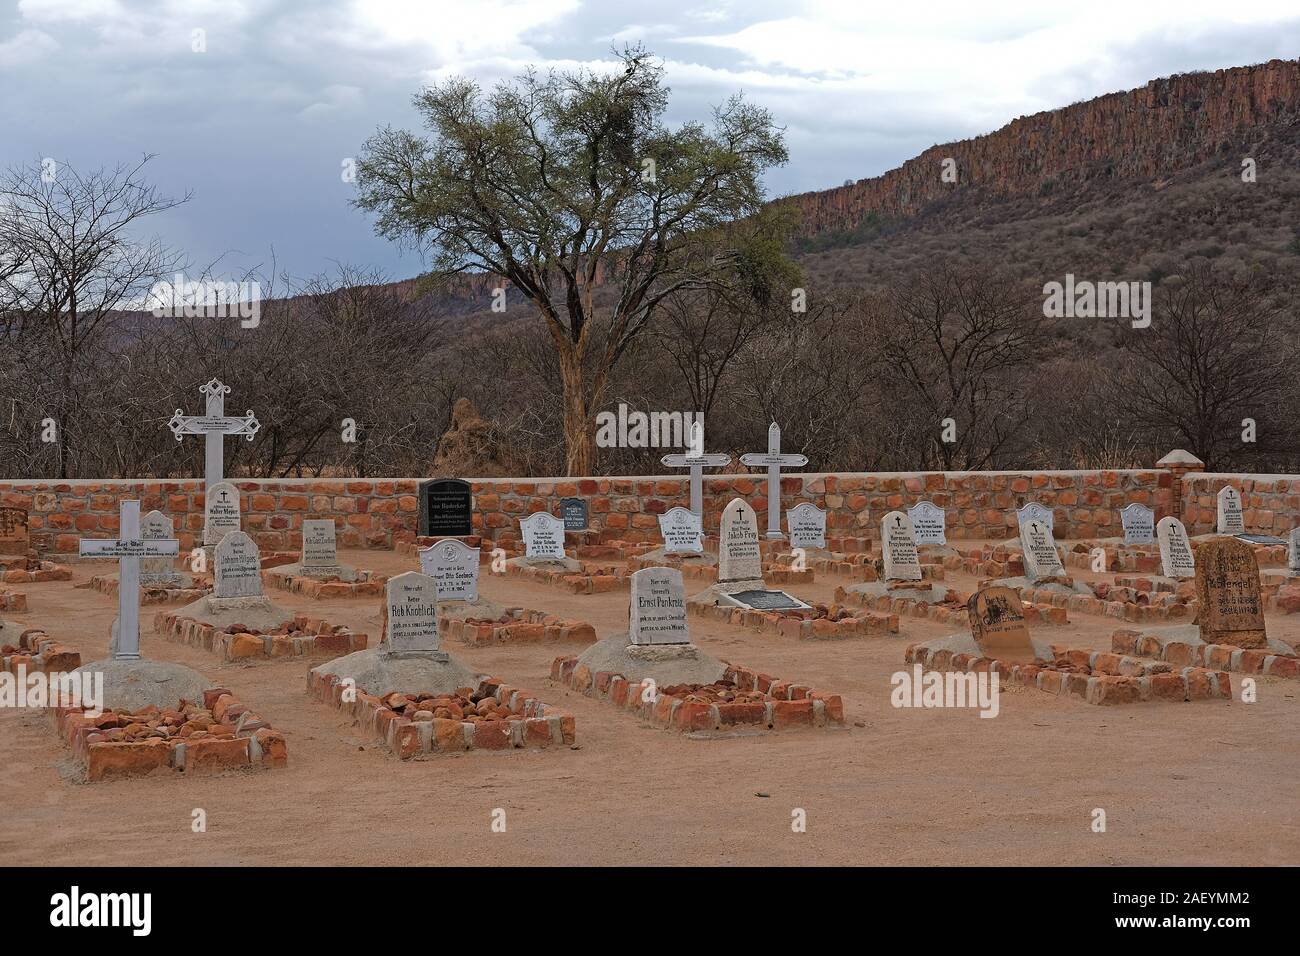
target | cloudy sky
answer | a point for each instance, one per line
(259, 121)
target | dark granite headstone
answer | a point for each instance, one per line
(574, 513)
(446, 508)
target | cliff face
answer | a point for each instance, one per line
(1150, 133)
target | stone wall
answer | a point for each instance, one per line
(1271, 502)
(377, 513)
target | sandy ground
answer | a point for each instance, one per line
(1188, 784)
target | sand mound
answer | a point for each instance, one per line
(376, 673)
(611, 654)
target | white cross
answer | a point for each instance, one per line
(128, 548)
(696, 461)
(214, 426)
(774, 461)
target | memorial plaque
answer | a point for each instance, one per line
(1139, 524)
(14, 536)
(1039, 551)
(154, 572)
(543, 536)
(682, 531)
(767, 600)
(411, 614)
(1227, 587)
(1271, 540)
(454, 566)
(220, 512)
(1231, 518)
(573, 511)
(739, 558)
(657, 611)
(928, 523)
(807, 524)
(1036, 512)
(319, 545)
(997, 622)
(1176, 557)
(446, 507)
(238, 567)
(898, 548)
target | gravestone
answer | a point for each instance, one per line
(739, 558)
(766, 600)
(1293, 552)
(1039, 551)
(1231, 518)
(157, 571)
(320, 553)
(898, 548)
(14, 536)
(1036, 512)
(682, 531)
(997, 622)
(807, 525)
(446, 507)
(573, 511)
(1139, 524)
(543, 536)
(220, 512)
(454, 566)
(774, 461)
(657, 611)
(238, 568)
(215, 425)
(696, 460)
(928, 523)
(411, 616)
(1176, 558)
(1227, 587)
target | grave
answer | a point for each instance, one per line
(807, 525)
(928, 524)
(1176, 558)
(683, 535)
(1231, 518)
(774, 461)
(1139, 524)
(221, 514)
(696, 460)
(160, 581)
(237, 596)
(318, 573)
(998, 628)
(1230, 610)
(573, 511)
(446, 508)
(1038, 548)
(740, 566)
(543, 535)
(901, 564)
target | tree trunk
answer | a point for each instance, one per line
(579, 449)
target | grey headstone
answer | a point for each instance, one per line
(238, 567)
(220, 512)
(320, 550)
(739, 558)
(657, 610)
(682, 531)
(807, 525)
(543, 536)
(411, 614)
(157, 571)
(1293, 551)
(1139, 524)
(1231, 518)
(898, 548)
(928, 523)
(454, 566)
(1176, 557)
(573, 511)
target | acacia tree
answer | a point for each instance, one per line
(565, 182)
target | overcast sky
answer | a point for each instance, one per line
(259, 124)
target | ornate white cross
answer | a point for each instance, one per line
(129, 547)
(773, 461)
(214, 426)
(696, 460)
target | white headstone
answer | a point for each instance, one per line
(928, 523)
(238, 567)
(1231, 519)
(1139, 524)
(1036, 512)
(156, 526)
(454, 566)
(220, 512)
(1176, 557)
(807, 524)
(1039, 550)
(320, 551)
(214, 426)
(543, 536)
(774, 461)
(1293, 552)
(411, 614)
(682, 531)
(898, 548)
(657, 612)
(696, 460)
(739, 558)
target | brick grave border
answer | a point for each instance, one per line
(245, 742)
(953, 612)
(324, 589)
(525, 627)
(47, 572)
(536, 724)
(1109, 678)
(150, 594)
(1224, 657)
(37, 651)
(786, 704)
(15, 601)
(303, 636)
(822, 622)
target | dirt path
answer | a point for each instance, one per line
(1193, 784)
